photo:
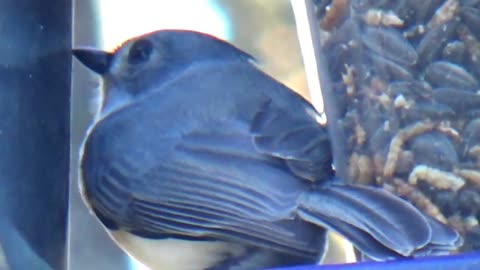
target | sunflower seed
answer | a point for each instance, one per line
(471, 16)
(433, 42)
(454, 52)
(390, 44)
(416, 89)
(459, 100)
(471, 136)
(435, 150)
(388, 69)
(446, 74)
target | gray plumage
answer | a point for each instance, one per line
(194, 142)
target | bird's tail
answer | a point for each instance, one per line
(381, 225)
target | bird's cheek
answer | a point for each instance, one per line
(114, 100)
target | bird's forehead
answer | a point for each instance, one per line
(121, 53)
(124, 47)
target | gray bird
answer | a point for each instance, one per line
(199, 160)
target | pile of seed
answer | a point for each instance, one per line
(405, 81)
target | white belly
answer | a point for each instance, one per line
(174, 254)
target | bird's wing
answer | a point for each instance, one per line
(204, 184)
(212, 190)
(296, 137)
(217, 186)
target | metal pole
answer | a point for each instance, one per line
(35, 65)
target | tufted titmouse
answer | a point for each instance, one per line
(199, 160)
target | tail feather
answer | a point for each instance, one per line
(379, 224)
(443, 236)
(442, 241)
(362, 240)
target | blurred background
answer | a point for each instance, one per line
(264, 28)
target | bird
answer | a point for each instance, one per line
(197, 159)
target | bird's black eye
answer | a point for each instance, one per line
(140, 51)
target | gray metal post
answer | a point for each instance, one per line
(35, 67)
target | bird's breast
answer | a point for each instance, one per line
(176, 254)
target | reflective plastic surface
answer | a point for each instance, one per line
(400, 81)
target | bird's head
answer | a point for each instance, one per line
(142, 64)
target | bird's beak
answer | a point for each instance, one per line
(96, 60)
